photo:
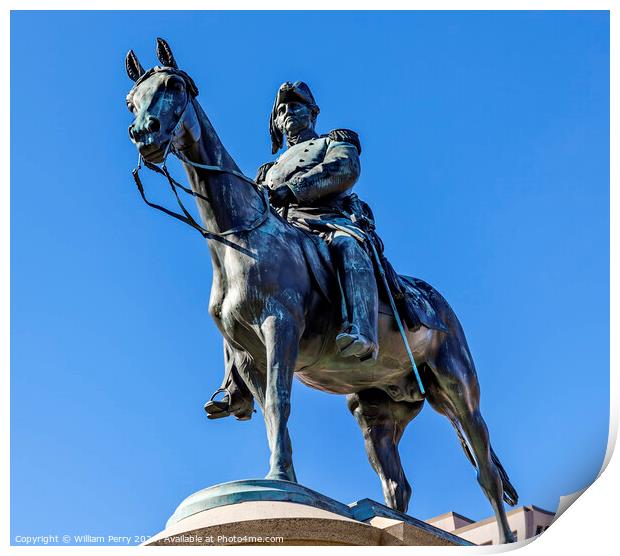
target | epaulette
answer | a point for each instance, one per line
(261, 174)
(347, 136)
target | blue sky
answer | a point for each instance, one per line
(486, 160)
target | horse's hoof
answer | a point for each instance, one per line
(280, 476)
(508, 538)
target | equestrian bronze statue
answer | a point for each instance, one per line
(301, 285)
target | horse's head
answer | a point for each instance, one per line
(162, 103)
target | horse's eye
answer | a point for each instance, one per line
(175, 84)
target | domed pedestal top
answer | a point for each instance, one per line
(254, 490)
(271, 512)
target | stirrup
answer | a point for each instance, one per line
(221, 390)
(224, 408)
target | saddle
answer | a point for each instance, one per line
(415, 299)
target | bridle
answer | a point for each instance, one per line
(186, 217)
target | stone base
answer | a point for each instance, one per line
(268, 512)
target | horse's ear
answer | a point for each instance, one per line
(133, 67)
(164, 54)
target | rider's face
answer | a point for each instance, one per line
(293, 118)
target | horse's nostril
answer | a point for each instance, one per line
(152, 125)
(132, 132)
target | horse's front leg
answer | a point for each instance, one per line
(281, 336)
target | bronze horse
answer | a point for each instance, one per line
(269, 299)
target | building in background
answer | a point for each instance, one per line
(525, 522)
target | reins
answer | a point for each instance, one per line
(186, 217)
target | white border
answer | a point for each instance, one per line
(587, 526)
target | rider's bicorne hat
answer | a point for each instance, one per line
(298, 92)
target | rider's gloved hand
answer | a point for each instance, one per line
(281, 195)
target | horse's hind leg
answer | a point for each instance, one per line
(383, 422)
(453, 390)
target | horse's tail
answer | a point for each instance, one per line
(510, 493)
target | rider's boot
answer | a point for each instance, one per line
(232, 403)
(359, 288)
(237, 399)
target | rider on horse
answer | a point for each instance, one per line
(311, 186)
(313, 180)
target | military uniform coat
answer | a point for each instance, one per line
(321, 173)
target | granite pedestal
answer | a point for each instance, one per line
(270, 512)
